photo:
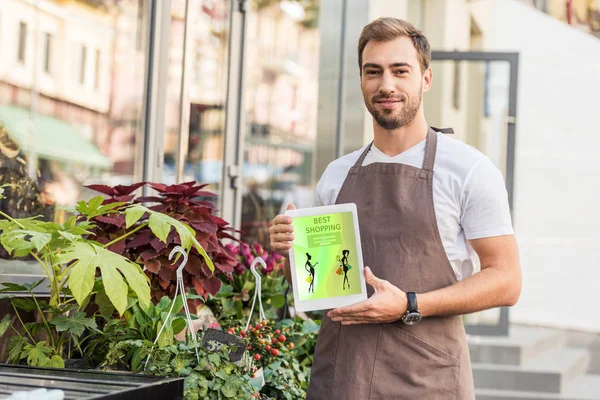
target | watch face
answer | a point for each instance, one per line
(412, 318)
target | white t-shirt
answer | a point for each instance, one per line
(469, 195)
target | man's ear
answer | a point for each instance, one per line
(427, 79)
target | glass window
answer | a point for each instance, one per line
(48, 53)
(22, 41)
(82, 62)
(281, 93)
(195, 118)
(57, 135)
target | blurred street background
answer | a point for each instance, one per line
(256, 97)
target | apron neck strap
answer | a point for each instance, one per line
(362, 157)
(430, 150)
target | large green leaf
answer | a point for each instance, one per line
(75, 323)
(133, 215)
(56, 362)
(104, 305)
(24, 304)
(89, 257)
(15, 349)
(160, 224)
(177, 325)
(94, 207)
(278, 301)
(4, 324)
(230, 388)
(22, 241)
(37, 355)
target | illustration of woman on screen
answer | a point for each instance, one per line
(310, 268)
(345, 268)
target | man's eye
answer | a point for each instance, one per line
(372, 72)
(401, 72)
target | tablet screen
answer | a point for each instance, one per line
(325, 256)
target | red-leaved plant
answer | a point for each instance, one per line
(185, 202)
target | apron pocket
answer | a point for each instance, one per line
(407, 367)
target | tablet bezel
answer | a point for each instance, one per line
(331, 302)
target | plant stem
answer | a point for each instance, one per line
(39, 260)
(76, 341)
(17, 332)
(22, 323)
(8, 217)
(125, 235)
(43, 318)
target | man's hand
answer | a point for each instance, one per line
(281, 233)
(388, 304)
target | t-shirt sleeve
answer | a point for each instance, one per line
(319, 192)
(485, 209)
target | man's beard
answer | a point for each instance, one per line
(388, 120)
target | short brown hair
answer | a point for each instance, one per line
(386, 29)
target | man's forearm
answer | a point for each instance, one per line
(489, 288)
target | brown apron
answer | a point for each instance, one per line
(401, 244)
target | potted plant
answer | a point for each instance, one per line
(77, 266)
(186, 203)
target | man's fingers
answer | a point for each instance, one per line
(281, 228)
(282, 237)
(282, 219)
(281, 247)
(352, 310)
(291, 207)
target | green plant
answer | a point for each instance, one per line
(182, 203)
(76, 268)
(208, 376)
(138, 323)
(65, 329)
(68, 257)
(232, 303)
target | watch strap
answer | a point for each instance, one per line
(412, 302)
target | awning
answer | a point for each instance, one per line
(50, 138)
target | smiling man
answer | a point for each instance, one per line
(426, 204)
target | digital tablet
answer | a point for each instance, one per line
(326, 257)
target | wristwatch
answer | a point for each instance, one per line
(412, 315)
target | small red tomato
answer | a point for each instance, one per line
(257, 357)
(277, 332)
(268, 347)
(291, 345)
(281, 338)
(260, 335)
(258, 326)
(249, 347)
(243, 333)
(274, 341)
(275, 352)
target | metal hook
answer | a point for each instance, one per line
(179, 249)
(253, 266)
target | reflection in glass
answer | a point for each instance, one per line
(201, 106)
(281, 93)
(70, 101)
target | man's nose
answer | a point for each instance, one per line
(387, 84)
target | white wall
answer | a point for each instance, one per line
(557, 171)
